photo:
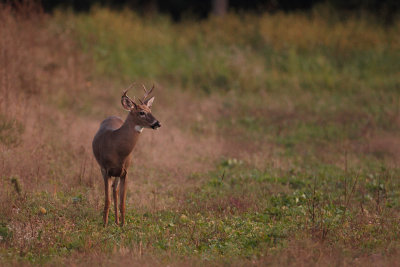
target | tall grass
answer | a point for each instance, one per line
(247, 53)
(338, 78)
(278, 146)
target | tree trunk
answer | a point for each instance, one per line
(219, 7)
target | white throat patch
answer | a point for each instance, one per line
(138, 128)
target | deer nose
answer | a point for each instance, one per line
(156, 125)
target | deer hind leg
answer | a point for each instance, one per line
(107, 199)
(122, 196)
(115, 186)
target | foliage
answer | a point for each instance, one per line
(245, 53)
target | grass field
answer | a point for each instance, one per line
(280, 142)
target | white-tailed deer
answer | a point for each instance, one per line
(113, 145)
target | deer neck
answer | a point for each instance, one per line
(129, 133)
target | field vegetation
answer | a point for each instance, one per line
(280, 142)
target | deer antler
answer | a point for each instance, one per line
(126, 90)
(125, 95)
(146, 93)
(129, 87)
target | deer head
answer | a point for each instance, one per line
(140, 113)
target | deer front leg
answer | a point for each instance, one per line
(122, 197)
(115, 197)
(107, 196)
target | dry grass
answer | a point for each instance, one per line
(44, 90)
(297, 253)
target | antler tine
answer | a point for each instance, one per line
(146, 93)
(125, 95)
(126, 90)
(130, 86)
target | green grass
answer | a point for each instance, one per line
(238, 211)
(242, 53)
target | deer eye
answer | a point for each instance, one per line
(141, 113)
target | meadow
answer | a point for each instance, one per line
(280, 142)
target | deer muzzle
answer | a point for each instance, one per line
(156, 125)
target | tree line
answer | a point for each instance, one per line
(386, 10)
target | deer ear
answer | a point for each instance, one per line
(149, 102)
(127, 104)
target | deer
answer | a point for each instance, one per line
(113, 145)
